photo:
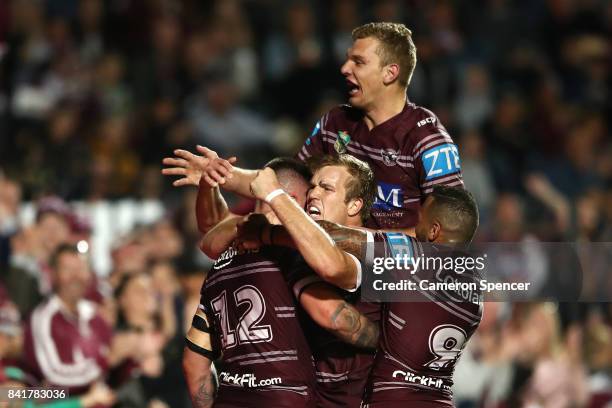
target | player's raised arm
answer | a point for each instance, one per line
(318, 249)
(211, 207)
(220, 237)
(221, 172)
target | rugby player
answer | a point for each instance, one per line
(342, 191)
(406, 145)
(421, 340)
(265, 359)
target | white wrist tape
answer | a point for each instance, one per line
(273, 195)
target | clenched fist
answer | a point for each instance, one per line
(265, 183)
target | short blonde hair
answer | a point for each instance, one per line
(396, 46)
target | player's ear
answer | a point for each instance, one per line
(390, 73)
(434, 231)
(354, 206)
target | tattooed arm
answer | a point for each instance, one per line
(198, 356)
(327, 308)
(348, 239)
(253, 234)
(200, 379)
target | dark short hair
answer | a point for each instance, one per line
(396, 46)
(458, 207)
(362, 185)
(290, 164)
(62, 249)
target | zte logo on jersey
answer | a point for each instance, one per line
(388, 196)
(425, 121)
(441, 160)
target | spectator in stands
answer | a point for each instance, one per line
(141, 318)
(29, 277)
(293, 58)
(66, 340)
(559, 376)
(11, 336)
(220, 122)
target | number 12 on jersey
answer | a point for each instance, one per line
(247, 326)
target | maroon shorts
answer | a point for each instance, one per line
(341, 381)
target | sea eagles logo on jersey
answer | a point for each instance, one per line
(389, 156)
(342, 141)
(388, 196)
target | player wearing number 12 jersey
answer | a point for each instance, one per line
(264, 359)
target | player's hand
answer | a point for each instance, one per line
(192, 167)
(250, 231)
(265, 183)
(187, 165)
(218, 169)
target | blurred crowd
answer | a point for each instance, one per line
(93, 93)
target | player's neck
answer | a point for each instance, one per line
(354, 222)
(387, 107)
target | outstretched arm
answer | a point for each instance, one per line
(254, 233)
(211, 208)
(330, 311)
(214, 170)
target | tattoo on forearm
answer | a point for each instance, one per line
(354, 328)
(347, 239)
(205, 395)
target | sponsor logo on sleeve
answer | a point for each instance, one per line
(441, 160)
(313, 133)
(388, 196)
(425, 121)
(343, 140)
(399, 244)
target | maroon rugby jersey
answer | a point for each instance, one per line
(421, 340)
(409, 154)
(342, 369)
(265, 358)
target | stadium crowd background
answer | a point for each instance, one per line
(94, 93)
